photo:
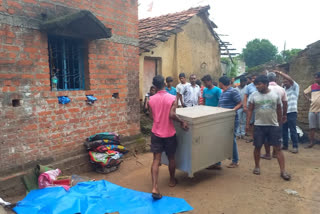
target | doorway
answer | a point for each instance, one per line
(151, 68)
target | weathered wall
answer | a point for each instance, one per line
(166, 51)
(194, 50)
(41, 130)
(302, 70)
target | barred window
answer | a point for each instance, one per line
(66, 62)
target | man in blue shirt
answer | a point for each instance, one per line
(211, 93)
(170, 89)
(231, 99)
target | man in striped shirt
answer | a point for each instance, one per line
(292, 90)
(230, 98)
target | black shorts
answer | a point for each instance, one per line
(270, 135)
(159, 145)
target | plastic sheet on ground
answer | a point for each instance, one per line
(97, 197)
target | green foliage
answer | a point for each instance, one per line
(225, 60)
(288, 55)
(232, 68)
(258, 52)
(256, 69)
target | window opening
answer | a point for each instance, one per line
(16, 103)
(66, 62)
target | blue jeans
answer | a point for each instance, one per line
(242, 116)
(290, 124)
(235, 154)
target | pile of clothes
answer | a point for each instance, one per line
(43, 176)
(105, 151)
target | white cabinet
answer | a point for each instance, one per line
(208, 140)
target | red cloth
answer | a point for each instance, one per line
(201, 97)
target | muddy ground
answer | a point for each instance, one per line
(234, 191)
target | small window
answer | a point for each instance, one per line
(66, 62)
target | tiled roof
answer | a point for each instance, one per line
(159, 29)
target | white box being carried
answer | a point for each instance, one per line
(208, 140)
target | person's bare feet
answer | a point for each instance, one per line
(173, 182)
(155, 190)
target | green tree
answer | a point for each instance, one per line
(288, 55)
(232, 67)
(258, 52)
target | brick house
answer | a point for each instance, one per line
(73, 48)
(179, 42)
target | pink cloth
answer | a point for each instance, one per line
(46, 179)
(279, 90)
(161, 104)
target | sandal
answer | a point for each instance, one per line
(266, 157)
(215, 167)
(156, 196)
(285, 176)
(309, 146)
(256, 171)
(233, 165)
(249, 141)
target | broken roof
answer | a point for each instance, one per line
(82, 24)
(159, 29)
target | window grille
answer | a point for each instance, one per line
(66, 62)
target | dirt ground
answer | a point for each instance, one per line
(234, 190)
(231, 191)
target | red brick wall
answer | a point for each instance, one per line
(41, 129)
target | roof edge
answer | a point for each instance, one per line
(203, 8)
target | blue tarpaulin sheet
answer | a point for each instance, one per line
(97, 197)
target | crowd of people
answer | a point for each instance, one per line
(265, 107)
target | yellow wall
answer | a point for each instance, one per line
(186, 52)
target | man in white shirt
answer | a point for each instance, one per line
(191, 93)
(273, 86)
(180, 88)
